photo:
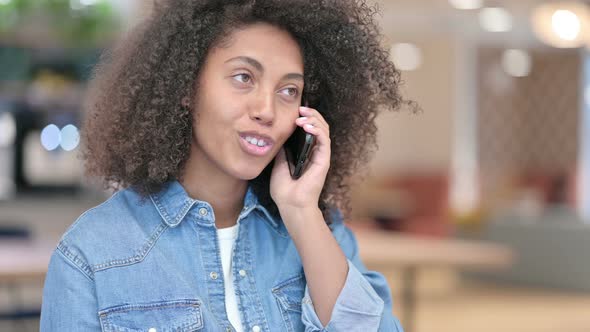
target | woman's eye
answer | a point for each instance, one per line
(293, 92)
(245, 78)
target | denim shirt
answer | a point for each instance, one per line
(128, 265)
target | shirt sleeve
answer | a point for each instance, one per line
(364, 303)
(69, 301)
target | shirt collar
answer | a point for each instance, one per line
(173, 203)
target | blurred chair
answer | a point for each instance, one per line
(558, 187)
(412, 203)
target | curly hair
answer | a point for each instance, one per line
(137, 133)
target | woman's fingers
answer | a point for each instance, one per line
(310, 112)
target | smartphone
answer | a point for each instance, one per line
(298, 149)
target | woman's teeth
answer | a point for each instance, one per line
(254, 141)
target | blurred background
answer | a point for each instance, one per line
(477, 208)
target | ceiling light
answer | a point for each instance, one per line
(516, 62)
(562, 24)
(466, 4)
(406, 56)
(495, 19)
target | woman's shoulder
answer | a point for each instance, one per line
(110, 229)
(102, 215)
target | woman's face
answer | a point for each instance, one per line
(248, 89)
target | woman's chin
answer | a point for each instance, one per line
(249, 172)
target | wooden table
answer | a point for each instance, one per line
(411, 252)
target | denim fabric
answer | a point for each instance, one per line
(128, 265)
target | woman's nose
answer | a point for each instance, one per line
(263, 109)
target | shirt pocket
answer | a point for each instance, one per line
(289, 295)
(164, 316)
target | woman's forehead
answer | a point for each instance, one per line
(267, 44)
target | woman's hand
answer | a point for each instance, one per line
(304, 192)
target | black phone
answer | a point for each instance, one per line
(298, 149)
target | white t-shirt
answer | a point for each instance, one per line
(227, 236)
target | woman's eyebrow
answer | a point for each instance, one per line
(254, 63)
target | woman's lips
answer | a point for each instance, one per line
(254, 150)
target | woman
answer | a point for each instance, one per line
(208, 231)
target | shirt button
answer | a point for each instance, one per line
(256, 328)
(228, 329)
(213, 275)
(203, 211)
(152, 329)
(242, 273)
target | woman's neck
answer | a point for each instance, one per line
(206, 183)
